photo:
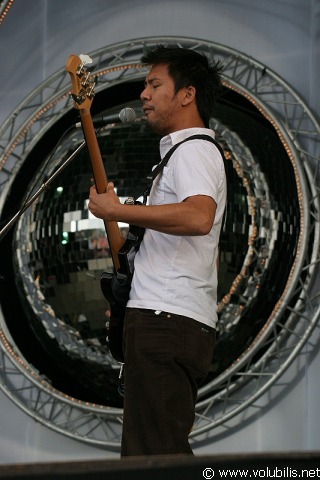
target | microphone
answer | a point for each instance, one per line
(126, 115)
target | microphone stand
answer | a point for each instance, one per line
(43, 187)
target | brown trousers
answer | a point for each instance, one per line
(166, 357)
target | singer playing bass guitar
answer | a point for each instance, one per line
(170, 318)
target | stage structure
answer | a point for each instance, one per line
(268, 306)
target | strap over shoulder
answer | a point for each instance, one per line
(158, 169)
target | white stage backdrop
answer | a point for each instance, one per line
(36, 38)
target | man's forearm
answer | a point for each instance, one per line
(185, 218)
(194, 216)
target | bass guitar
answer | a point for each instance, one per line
(116, 285)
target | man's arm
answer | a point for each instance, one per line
(193, 216)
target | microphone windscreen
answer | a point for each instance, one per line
(127, 115)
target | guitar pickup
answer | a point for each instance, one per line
(121, 277)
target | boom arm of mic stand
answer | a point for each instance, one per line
(43, 187)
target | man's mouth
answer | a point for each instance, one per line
(147, 110)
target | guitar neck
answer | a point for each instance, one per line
(112, 229)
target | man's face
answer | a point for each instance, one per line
(162, 107)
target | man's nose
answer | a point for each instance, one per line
(145, 94)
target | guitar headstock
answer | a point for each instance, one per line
(82, 81)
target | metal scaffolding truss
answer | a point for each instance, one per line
(293, 318)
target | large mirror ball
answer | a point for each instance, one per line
(58, 250)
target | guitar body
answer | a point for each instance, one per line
(116, 290)
(115, 286)
(115, 322)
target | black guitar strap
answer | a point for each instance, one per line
(158, 169)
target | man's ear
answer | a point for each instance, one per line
(189, 95)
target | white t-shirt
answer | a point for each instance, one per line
(178, 274)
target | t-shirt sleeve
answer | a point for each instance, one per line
(198, 170)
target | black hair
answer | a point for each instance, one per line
(189, 68)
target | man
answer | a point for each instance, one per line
(171, 315)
